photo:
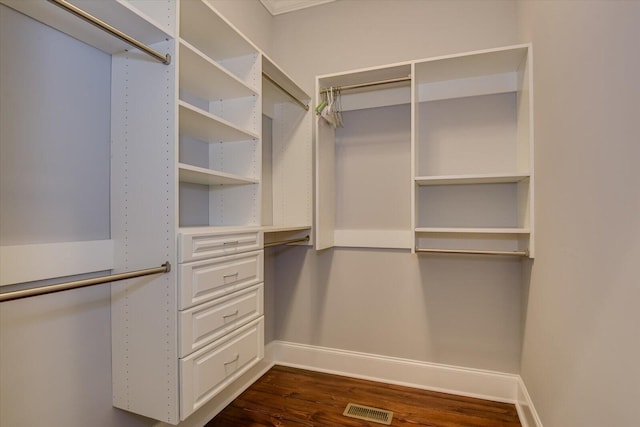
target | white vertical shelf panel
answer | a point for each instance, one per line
(292, 202)
(144, 182)
(525, 141)
(325, 185)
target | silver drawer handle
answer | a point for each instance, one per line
(234, 242)
(235, 359)
(226, 316)
(226, 276)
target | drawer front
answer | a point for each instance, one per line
(207, 371)
(217, 243)
(202, 281)
(208, 322)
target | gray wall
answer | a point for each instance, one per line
(581, 346)
(350, 34)
(447, 309)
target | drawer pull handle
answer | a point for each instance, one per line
(234, 242)
(226, 316)
(226, 276)
(235, 359)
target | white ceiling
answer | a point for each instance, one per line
(277, 7)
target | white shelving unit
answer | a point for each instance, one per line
(219, 121)
(473, 152)
(362, 197)
(183, 162)
(466, 129)
(86, 253)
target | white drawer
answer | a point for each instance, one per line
(207, 371)
(205, 323)
(202, 281)
(200, 245)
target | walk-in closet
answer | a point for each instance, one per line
(209, 208)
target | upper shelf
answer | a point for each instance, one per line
(204, 77)
(471, 65)
(201, 26)
(117, 13)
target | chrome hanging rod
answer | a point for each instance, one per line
(286, 242)
(472, 252)
(369, 84)
(276, 84)
(165, 59)
(48, 289)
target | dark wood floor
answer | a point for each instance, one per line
(295, 397)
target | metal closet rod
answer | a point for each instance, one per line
(49, 289)
(165, 59)
(276, 84)
(286, 242)
(369, 84)
(472, 252)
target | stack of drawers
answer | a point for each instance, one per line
(220, 319)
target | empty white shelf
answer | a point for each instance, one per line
(198, 175)
(475, 230)
(212, 34)
(201, 75)
(204, 126)
(471, 179)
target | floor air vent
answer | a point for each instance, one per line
(369, 414)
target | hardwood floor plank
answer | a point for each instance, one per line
(294, 397)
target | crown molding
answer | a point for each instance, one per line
(278, 7)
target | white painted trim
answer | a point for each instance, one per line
(482, 384)
(469, 382)
(278, 7)
(524, 405)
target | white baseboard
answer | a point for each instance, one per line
(526, 411)
(490, 385)
(496, 386)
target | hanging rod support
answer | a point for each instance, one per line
(276, 84)
(165, 59)
(472, 252)
(369, 84)
(286, 242)
(49, 289)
